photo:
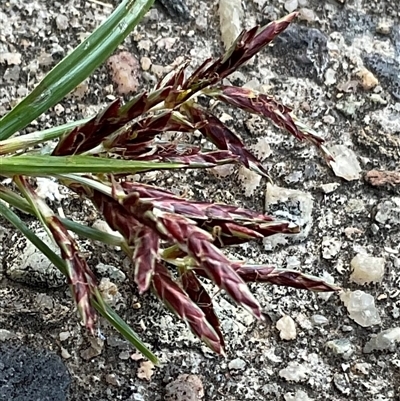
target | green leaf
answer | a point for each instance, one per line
(28, 140)
(115, 320)
(76, 67)
(46, 165)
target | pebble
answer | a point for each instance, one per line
(124, 69)
(330, 187)
(341, 383)
(388, 212)
(291, 5)
(385, 340)
(294, 371)
(11, 58)
(330, 247)
(299, 395)
(330, 280)
(319, 320)
(306, 14)
(94, 350)
(286, 327)
(6, 335)
(62, 22)
(384, 26)
(330, 77)
(112, 272)
(64, 353)
(345, 164)
(64, 335)
(230, 17)
(185, 388)
(341, 347)
(367, 79)
(361, 308)
(145, 63)
(291, 205)
(367, 269)
(113, 379)
(109, 291)
(33, 268)
(362, 367)
(237, 364)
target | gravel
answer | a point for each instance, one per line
(338, 70)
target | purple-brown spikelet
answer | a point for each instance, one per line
(173, 296)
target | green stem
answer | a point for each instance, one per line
(23, 142)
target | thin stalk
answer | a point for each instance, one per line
(115, 320)
(23, 142)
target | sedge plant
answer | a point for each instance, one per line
(174, 244)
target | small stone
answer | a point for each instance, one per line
(64, 353)
(306, 14)
(124, 69)
(112, 272)
(330, 77)
(6, 335)
(64, 335)
(342, 347)
(341, 383)
(362, 367)
(355, 206)
(286, 327)
(95, 349)
(291, 5)
(225, 170)
(185, 388)
(367, 79)
(330, 247)
(345, 164)
(299, 395)
(146, 370)
(124, 355)
(59, 109)
(379, 178)
(158, 70)
(330, 280)
(113, 379)
(11, 58)
(367, 269)
(230, 17)
(319, 320)
(249, 179)
(294, 371)
(145, 62)
(388, 212)
(237, 364)
(361, 307)
(62, 22)
(11, 75)
(109, 290)
(32, 267)
(384, 26)
(329, 188)
(292, 205)
(385, 340)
